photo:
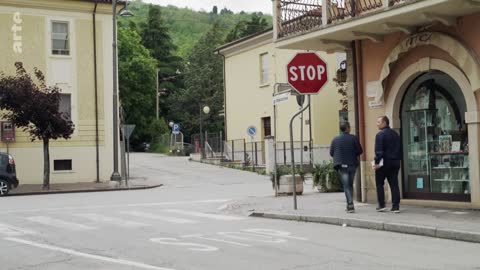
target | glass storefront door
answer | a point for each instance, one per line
(435, 140)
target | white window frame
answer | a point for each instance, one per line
(69, 37)
(264, 69)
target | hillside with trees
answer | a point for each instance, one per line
(177, 45)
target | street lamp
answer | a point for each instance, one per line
(126, 13)
(206, 110)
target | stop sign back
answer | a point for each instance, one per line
(307, 73)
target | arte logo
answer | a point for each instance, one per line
(17, 33)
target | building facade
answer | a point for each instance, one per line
(255, 75)
(417, 63)
(70, 42)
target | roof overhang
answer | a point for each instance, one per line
(246, 43)
(104, 6)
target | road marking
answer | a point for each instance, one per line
(203, 215)
(275, 233)
(60, 223)
(192, 246)
(111, 220)
(158, 217)
(223, 206)
(252, 237)
(200, 236)
(441, 211)
(115, 206)
(86, 255)
(460, 213)
(9, 230)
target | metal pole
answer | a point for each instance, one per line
(115, 175)
(201, 135)
(275, 149)
(292, 151)
(310, 142)
(233, 151)
(158, 97)
(128, 159)
(301, 138)
(251, 158)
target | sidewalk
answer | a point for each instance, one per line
(329, 208)
(133, 183)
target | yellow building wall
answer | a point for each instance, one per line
(248, 101)
(35, 40)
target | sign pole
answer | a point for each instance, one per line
(310, 142)
(253, 163)
(292, 151)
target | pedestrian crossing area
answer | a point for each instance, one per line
(88, 221)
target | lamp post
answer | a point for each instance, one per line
(204, 109)
(124, 13)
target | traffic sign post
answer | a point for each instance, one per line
(252, 131)
(128, 132)
(307, 73)
(176, 129)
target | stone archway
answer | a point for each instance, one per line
(395, 95)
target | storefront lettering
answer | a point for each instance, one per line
(17, 31)
(418, 39)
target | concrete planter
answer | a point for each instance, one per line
(286, 185)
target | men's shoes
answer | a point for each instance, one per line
(350, 209)
(381, 209)
(395, 210)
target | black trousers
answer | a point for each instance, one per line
(390, 172)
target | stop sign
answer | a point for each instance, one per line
(307, 73)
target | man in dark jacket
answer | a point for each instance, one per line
(388, 154)
(345, 150)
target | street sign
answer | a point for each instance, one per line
(176, 129)
(252, 131)
(281, 98)
(128, 130)
(307, 73)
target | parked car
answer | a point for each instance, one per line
(8, 176)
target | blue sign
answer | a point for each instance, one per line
(176, 129)
(252, 131)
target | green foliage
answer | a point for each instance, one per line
(158, 147)
(286, 170)
(326, 177)
(187, 26)
(256, 24)
(203, 85)
(137, 71)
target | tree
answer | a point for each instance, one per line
(34, 107)
(137, 75)
(203, 85)
(215, 10)
(257, 23)
(156, 37)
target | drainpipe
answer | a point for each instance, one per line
(224, 95)
(97, 147)
(359, 114)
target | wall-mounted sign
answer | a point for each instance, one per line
(375, 104)
(8, 132)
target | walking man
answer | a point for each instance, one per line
(388, 153)
(345, 150)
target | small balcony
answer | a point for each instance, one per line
(337, 22)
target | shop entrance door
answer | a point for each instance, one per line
(435, 140)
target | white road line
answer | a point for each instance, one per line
(200, 236)
(9, 230)
(115, 206)
(203, 215)
(58, 223)
(112, 220)
(223, 206)
(159, 217)
(86, 255)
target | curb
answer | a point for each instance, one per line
(379, 226)
(81, 191)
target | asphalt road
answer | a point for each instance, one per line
(183, 226)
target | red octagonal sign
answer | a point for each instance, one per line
(307, 73)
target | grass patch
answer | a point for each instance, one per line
(159, 148)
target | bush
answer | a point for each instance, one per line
(159, 148)
(326, 178)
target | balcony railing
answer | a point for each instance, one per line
(300, 16)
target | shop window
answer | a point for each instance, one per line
(435, 139)
(60, 38)
(62, 165)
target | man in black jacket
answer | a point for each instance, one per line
(388, 151)
(345, 150)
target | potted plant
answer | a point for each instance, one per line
(284, 180)
(326, 178)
